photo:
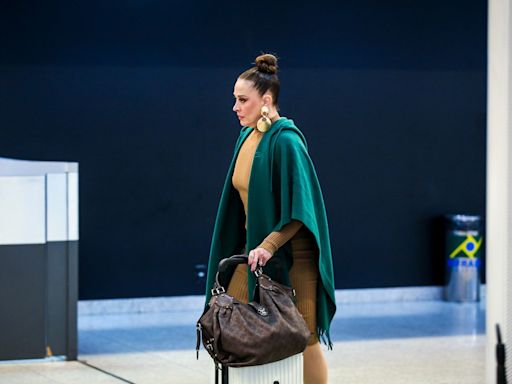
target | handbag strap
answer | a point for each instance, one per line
(227, 263)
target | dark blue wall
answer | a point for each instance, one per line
(391, 97)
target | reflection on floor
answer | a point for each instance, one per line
(407, 342)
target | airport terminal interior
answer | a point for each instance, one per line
(118, 123)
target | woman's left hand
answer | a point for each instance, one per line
(258, 256)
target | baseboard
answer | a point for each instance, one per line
(193, 302)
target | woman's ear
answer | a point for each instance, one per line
(267, 99)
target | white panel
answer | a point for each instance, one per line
(22, 210)
(15, 167)
(499, 183)
(57, 207)
(287, 371)
(73, 206)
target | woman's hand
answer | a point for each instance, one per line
(258, 256)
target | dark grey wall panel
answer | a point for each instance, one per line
(72, 301)
(22, 301)
(57, 298)
(38, 296)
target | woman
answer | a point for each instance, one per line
(272, 206)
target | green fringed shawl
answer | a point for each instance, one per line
(283, 185)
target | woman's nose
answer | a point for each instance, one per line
(235, 107)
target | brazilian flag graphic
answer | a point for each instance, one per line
(467, 245)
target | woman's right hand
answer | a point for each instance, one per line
(258, 256)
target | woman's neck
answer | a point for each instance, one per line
(274, 117)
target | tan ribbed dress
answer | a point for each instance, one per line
(304, 272)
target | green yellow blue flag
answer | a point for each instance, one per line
(469, 247)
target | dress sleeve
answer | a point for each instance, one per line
(277, 239)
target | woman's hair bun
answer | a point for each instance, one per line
(267, 63)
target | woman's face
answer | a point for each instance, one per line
(248, 103)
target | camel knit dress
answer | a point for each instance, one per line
(304, 272)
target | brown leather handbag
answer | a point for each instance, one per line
(263, 331)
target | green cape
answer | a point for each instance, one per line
(283, 185)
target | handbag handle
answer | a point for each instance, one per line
(232, 261)
(228, 264)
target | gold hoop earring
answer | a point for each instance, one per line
(264, 123)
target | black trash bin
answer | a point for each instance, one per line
(462, 250)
